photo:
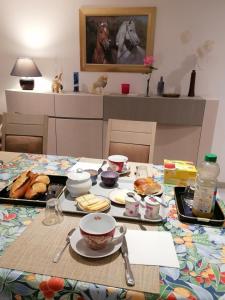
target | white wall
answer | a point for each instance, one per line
(189, 35)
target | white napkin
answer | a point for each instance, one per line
(151, 248)
(85, 166)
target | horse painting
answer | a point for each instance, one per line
(127, 41)
(103, 53)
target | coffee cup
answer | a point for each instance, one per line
(151, 208)
(117, 162)
(100, 230)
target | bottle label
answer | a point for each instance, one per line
(203, 199)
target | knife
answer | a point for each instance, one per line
(128, 272)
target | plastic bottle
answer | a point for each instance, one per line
(160, 87)
(204, 198)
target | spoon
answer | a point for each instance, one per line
(131, 194)
(59, 254)
(100, 169)
(159, 200)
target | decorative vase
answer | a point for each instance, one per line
(191, 92)
(147, 94)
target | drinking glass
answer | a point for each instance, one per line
(141, 171)
(189, 193)
(53, 212)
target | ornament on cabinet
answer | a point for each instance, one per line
(99, 84)
(57, 86)
(160, 87)
(191, 92)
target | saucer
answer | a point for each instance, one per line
(157, 219)
(124, 171)
(79, 245)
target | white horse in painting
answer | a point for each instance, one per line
(127, 41)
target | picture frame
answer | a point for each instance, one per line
(116, 39)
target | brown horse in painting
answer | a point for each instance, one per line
(102, 49)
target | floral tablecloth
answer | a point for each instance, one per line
(200, 249)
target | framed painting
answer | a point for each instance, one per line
(116, 39)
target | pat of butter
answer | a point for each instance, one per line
(120, 198)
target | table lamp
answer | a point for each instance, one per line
(26, 68)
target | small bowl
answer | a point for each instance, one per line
(109, 178)
(94, 175)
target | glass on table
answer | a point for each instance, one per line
(189, 193)
(53, 212)
(141, 171)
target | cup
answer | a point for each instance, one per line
(151, 208)
(189, 193)
(98, 230)
(109, 178)
(131, 207)
(117, 162)
(125, 88)
(94, 175)
(53, 212)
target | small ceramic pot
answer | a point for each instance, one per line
(151, 208)
(94, 175)
(131, 207)
(78, 183)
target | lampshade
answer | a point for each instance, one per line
(26, 67)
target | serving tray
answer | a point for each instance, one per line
(185, 212)
(55, 189)
(68, 203)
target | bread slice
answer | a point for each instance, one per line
(20, 185)
(35, 189)
(42, 178)
(29, 185)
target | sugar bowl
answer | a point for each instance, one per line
(78, 183)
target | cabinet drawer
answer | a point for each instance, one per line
(30, 103)
(84, 106)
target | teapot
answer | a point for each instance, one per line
(78, 183)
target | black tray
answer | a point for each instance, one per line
(55, 189)
(185, 212)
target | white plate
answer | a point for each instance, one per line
(123, 192)
(123, 172)
(79, 245)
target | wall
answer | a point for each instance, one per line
(189, 34)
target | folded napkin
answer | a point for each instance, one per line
(151, 248)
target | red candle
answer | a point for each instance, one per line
(125, 88)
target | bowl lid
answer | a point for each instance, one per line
(79, 175)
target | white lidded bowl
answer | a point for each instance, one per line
(78, 183)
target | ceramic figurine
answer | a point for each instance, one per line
(57, 86)
(99, 85)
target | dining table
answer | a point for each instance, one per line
(200, 248)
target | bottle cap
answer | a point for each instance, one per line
(211, 157)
